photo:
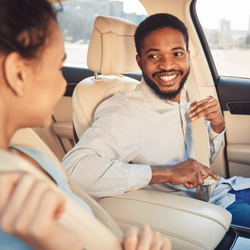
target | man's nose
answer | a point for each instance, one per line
(166, 63)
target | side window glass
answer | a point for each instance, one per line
(226, 25)
(76, 18)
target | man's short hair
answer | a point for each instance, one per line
(155, 22)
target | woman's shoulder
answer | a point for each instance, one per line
(40, 157)
(52, 170)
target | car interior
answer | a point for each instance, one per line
(188, 223)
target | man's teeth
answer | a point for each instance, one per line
(167, 78)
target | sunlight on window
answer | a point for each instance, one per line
(131, 6)
(77, 18)
(227, 30)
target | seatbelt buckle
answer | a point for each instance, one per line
(204, 191)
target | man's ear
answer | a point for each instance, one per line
(188, 55)
(15, 73)
(138, 59)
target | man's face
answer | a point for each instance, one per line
(164, 62)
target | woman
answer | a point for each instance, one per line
(31, 83)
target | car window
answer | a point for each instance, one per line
(226, 24)
(76, 18)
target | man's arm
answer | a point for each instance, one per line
(100, 162)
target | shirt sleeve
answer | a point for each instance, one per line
(100, 163)
(216, 142)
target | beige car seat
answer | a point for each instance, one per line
(187, 222)
(112, 53)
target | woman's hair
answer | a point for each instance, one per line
(155, 22)
(24, 26)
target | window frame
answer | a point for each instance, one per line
(204, 42)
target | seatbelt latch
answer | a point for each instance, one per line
(204, 191)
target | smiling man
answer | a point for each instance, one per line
(164, 62)
(143, 138)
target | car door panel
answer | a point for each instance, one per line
(234, 90)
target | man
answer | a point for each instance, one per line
(143, 138)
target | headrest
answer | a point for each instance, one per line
(111, 48)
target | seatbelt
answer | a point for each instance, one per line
(93, 234)
(200, 140)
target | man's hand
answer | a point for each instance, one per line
(144, 239)
(191, 173)
(210, 109)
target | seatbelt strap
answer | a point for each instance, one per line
(200, 139)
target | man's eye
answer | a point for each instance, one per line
(178, 54)
(153, 56)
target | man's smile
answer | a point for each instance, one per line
(166, 79)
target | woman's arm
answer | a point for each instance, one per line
(29, 210)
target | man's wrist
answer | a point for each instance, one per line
(160, 174)
(219, 128)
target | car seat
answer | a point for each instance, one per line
(189, 224)
(112, 53)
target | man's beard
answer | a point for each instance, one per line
(166, 95)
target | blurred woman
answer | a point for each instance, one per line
(31, 83)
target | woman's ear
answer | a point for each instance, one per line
(15, 73)
(138, 59)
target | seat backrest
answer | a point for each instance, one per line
(28, 138)
(112, 53)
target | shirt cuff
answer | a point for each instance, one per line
(141, 175)
(213, 135)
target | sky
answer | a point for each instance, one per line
(238, 11)
(210, 12)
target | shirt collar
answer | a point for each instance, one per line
(158, 103)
